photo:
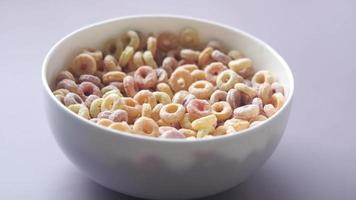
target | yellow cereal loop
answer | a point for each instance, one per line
(162, 98)
(204, 125)
(105, 122)
(95, 107)
(126, 56)
(134, 39)
(120, 126)
(112, 102)
(80, 109)
(146, 110)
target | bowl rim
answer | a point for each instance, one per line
(166, 140)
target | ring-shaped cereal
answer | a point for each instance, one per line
(146, 110)
(145, 96)
(130, 86)
(265, 93)
(95, 107)
(145, 77)
(119, 115)
(132, 107)
(162, 76)
(169, 64)
(213, 70)
(234, 54)
(180, 80)
(240, 65)
(83, 64)
(72, 98)
(120, 126)
(269, 110)
(189, 67)
(134, 39)
(261, 77)
(104, 114)
(146, 126)
(180, 96)
(89, 100)
(110, 62)
(205, 57)
(201, 89)
(137, 60)
(189, 38)
(113, 47)
(164, 87)
(222, 110)
(227, 80)
(152, 45)
(162, 97)
(278, 100)
(186, 122)
(112, 102)
(148, 59)
(64, 75)
(104, 122)
(218, 95)
(204, 125)
(172, 113)
(198, 75)
(90, 78)
(246, 89)
(155, 112)
(80, 109)
(89, 88)
(126, 56)
(69, 85)
(189, 54)
(234, 98)
(167, 41)
(188, 132)
(215, 44)
(198, 108)
(220, 57)
(277, 88)
(187, 99)
(113, 76)
(246, 112)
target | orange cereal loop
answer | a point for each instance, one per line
(145, 96)
(227, 80)
(113, 76)
(146, 126)
(265, 93)
(126, 56)
(199, 75)
(64, 75)
(164, 87)
(198, 108)
(155, 112)
(83, 64)
(205, 57)
(132, 107)
(213, 70)
(218, 95)
(261, 77)
(222, 110)
(278, 100)
(172, 113)
(130, 86)
(180, 80)
(220, 57)
(167, 41)
(201, 89)
(145, 77)
(152, 45)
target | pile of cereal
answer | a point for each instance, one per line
(169, 86)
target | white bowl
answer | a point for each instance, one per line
(164, 169)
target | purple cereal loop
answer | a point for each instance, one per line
(119, 116)
(72, 98)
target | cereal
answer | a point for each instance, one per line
(198, 75)
(227, 80)
(218, 95)
(145, 77)
(146, 126)
(246, 112)
(198, 108)
(172, 113)
(72, 98)
(170, 86)
(222, 110)
(189, 38)
(83, 64)
(180, 80)
(201, 89)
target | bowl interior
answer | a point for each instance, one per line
(94, 36)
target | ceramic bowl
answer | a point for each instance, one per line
(156, 168)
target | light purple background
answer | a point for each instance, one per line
(316, 158)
